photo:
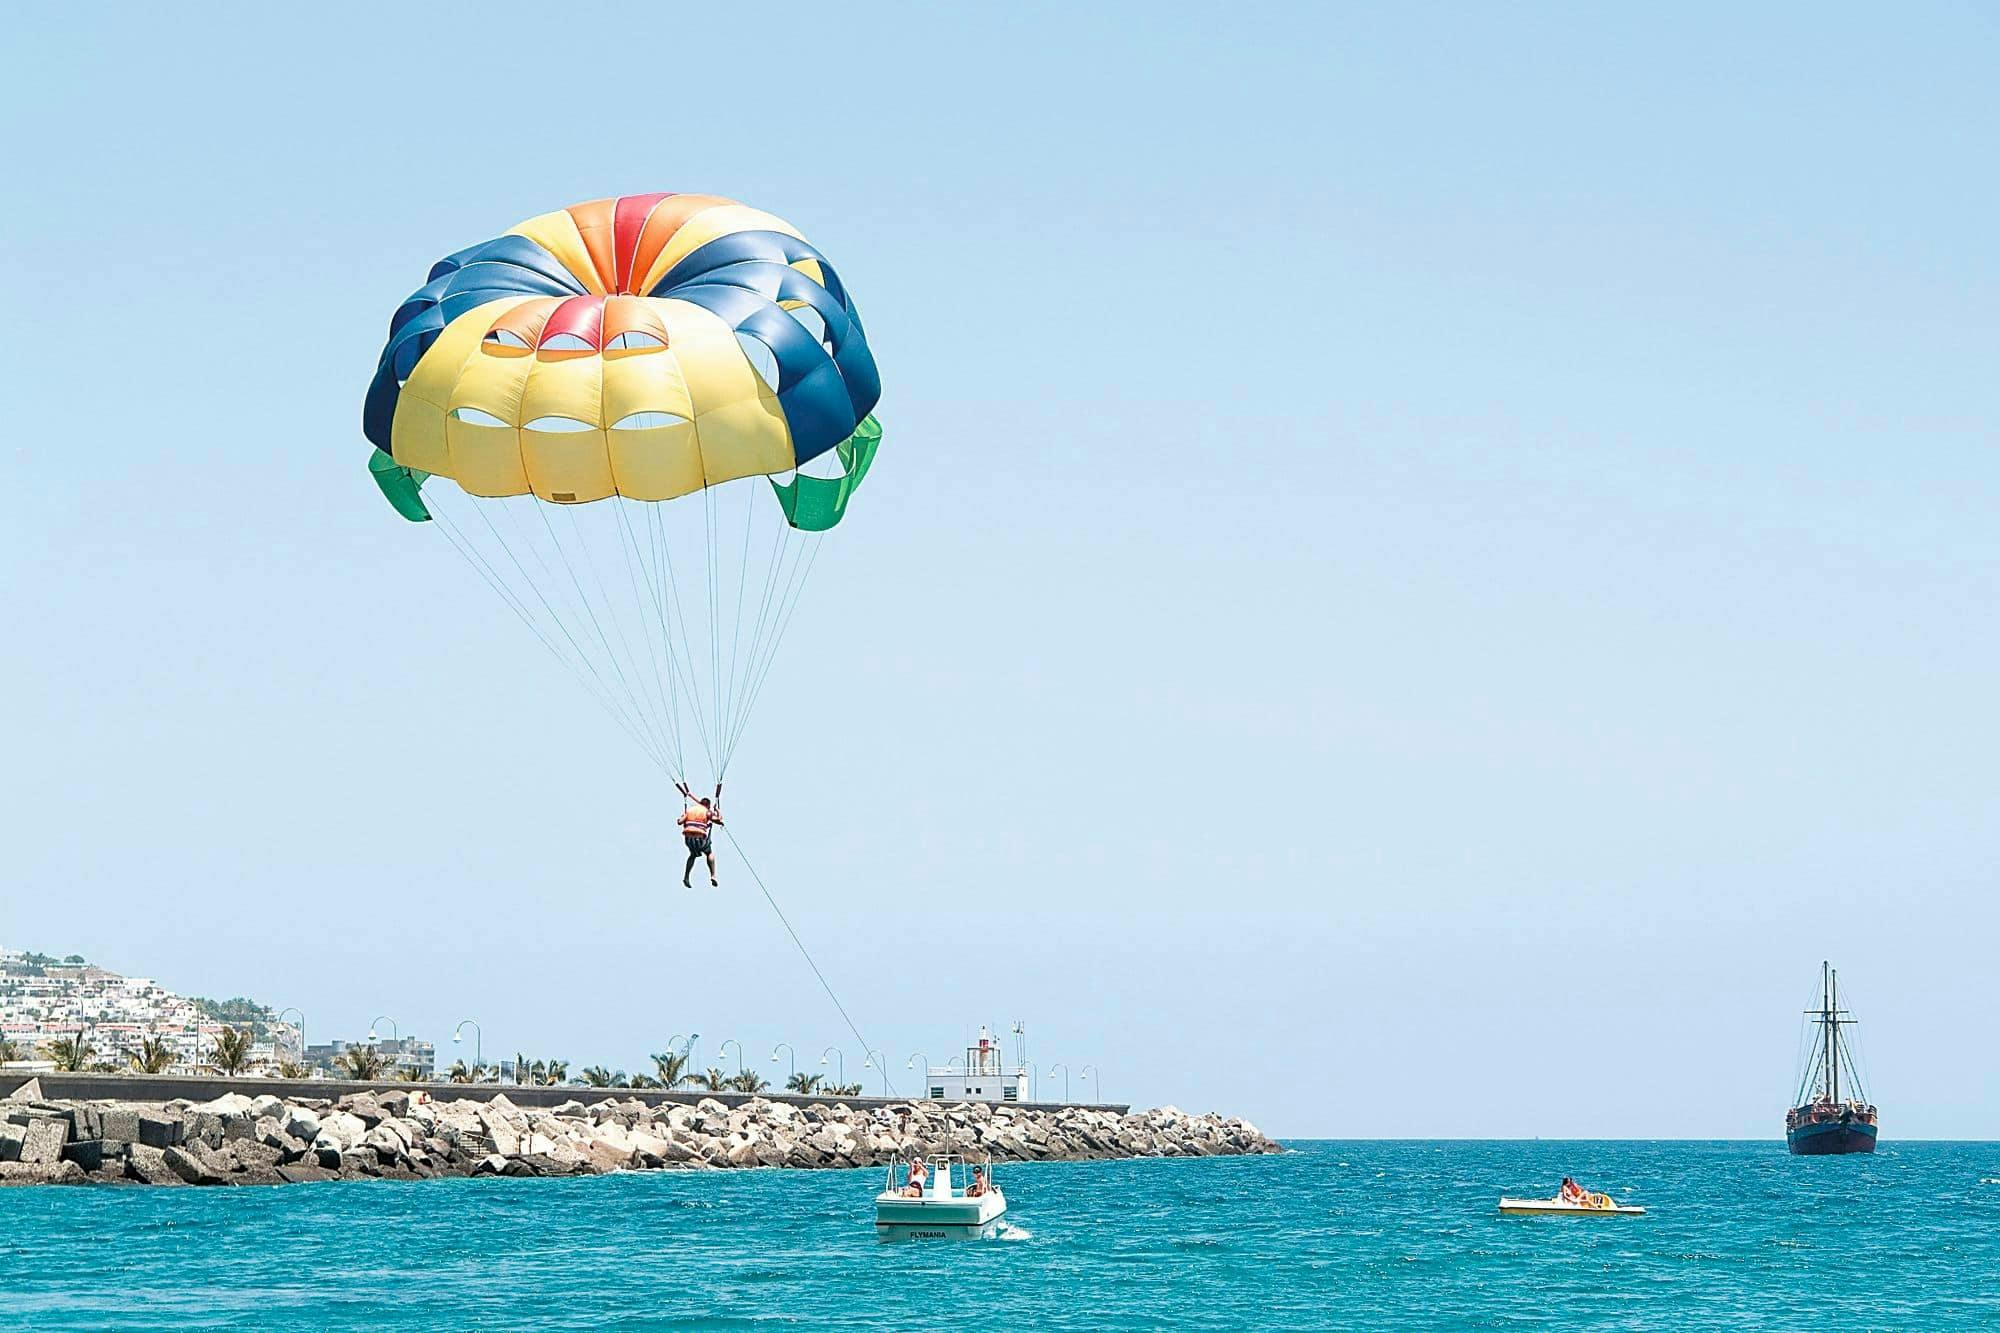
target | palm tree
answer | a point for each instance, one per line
(643, 1081)
(671, 1068)
(749, 1081)
(556, 1071)
(409, 1074)
(597, 1076)
(843, 1090)
(8, 1051)
(714, 1080)
(154, 1056)
(232, 1050)
(362, 1062)
(460, 1072)
(804, 1083)
(291, 1069)
(71, 1054)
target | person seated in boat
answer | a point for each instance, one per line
(696, 821)
(914, 1187)
(1572, 1192)
(978, 1185)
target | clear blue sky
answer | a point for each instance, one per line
(1430, 561)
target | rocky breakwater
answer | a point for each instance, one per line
(396, 1135)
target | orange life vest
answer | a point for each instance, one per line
(696, 819)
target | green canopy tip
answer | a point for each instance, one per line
(815, 504)
(401, 486)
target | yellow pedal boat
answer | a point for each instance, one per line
(1600, 1205)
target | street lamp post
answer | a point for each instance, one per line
(1065, 1068)
(722, 1051)
(478, 1041)
(794, 1058)
(395, 1032)
(840, 1056)
(294, 1009)
(925, 1078)
(1097, 1083)
(876, 1060)
(687, 1045)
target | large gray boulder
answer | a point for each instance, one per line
(251, 1155)
(199, 1126)
(93, 1154)
(149, 1166)
(41, 1173)
(343, 1129)
(42, 1140)
(31, 1091)
(121, 1123)
(301, 1123)
(364, 1107)
(161, 1130)
(195, 1170)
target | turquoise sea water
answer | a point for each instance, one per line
(1739, 1235)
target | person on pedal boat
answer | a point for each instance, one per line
(1572, 1192)
(697, 822)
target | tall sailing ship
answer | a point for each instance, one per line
(1824, 1122)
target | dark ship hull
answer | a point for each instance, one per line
(1831, 1138)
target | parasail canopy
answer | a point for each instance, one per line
(650, 408)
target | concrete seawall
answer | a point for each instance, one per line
(206, 1087)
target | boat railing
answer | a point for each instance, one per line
(950, 1170)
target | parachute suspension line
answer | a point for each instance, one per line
(742, 577)
(709, 573)
(670, 581)
(618, 623)
(480, 566)
(634, 563)
(795, 593)
(662, 593)
(715, 584)
(772, 566)
(606, 696)
(803, 951)
(617, 666)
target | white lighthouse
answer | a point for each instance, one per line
(984, 1076)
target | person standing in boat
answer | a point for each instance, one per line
(697, 822)
(913, 1188)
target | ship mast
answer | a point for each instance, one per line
(1829, 1018)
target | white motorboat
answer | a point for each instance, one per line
(943, 1205)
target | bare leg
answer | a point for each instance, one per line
(689, 869)
(712, 880)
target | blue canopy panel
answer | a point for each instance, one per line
(504, 266)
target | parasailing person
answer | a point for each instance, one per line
(702, 812)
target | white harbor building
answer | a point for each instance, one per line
(983, 1076)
